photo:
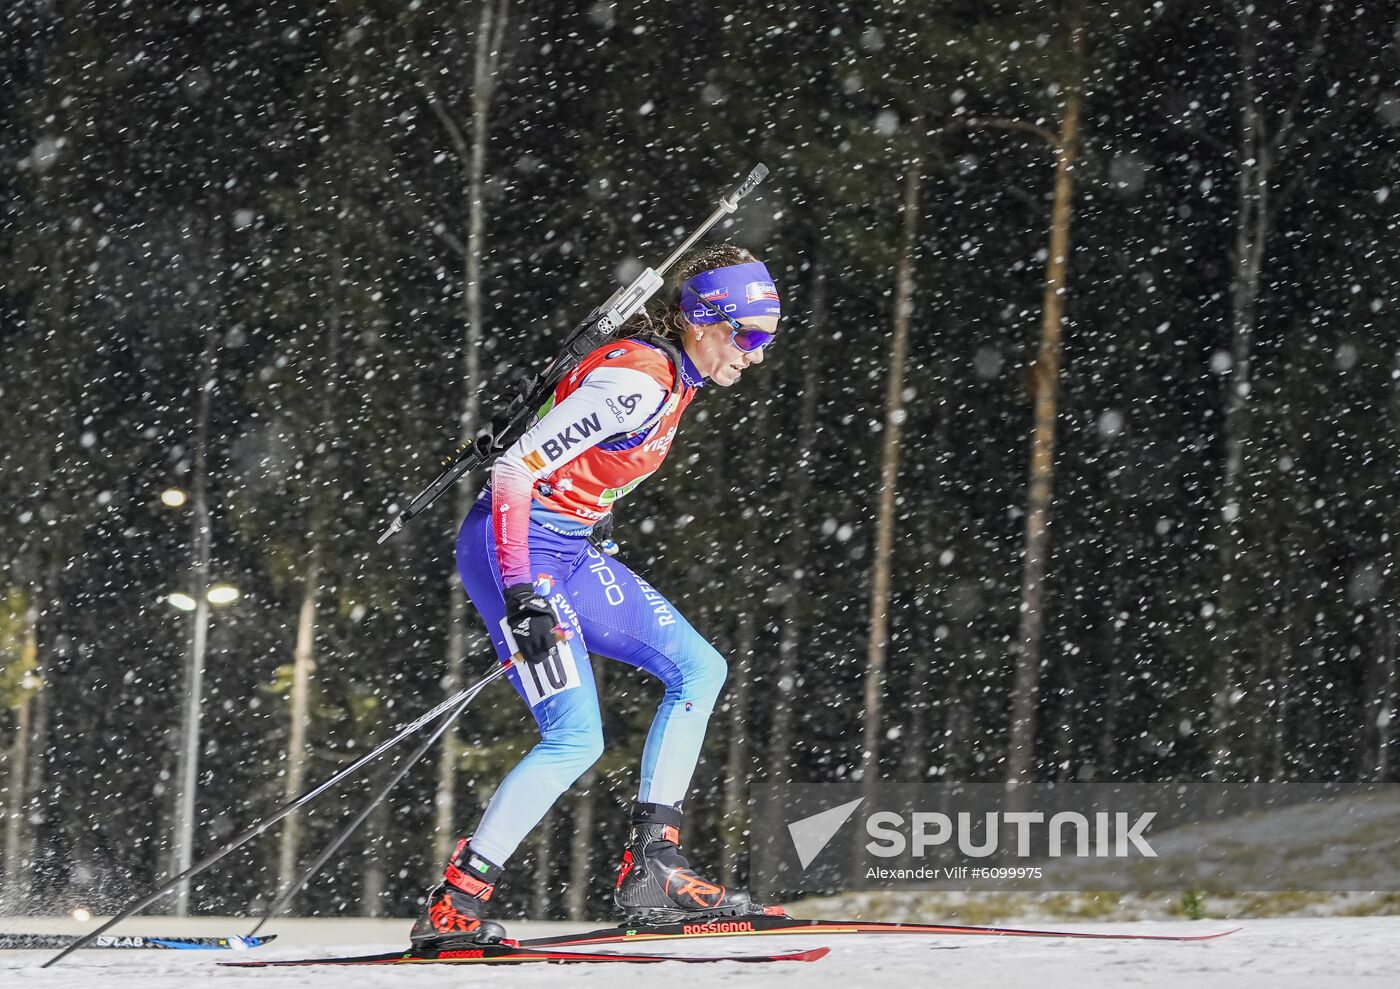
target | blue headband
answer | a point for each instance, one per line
(738, 289)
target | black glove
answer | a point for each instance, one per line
(531, 621)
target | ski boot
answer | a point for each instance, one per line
(655, 884)
(452, 917)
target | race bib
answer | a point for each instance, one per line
(557, 672)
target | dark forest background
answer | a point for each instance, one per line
(282, 257)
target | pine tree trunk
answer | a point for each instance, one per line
(373, 881)
(1287, 667)
(1261, 153)
(36, 812)
(735, 822)
(914, 763)
(303, 664)
(1107, 746)
(889, 478)
(1045, 383)
(542, 881)
(449, 748)
(796, 544)
(1251, 230)
(1380, 709)
(486, 57)
(1274, 757)
(585, 826)
(34, 809)
(581, 847)
(17, 761)
(957, 754)
(1389, 628)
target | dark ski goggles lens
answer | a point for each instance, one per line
(749, 339)
(746, 338)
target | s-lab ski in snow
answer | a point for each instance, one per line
(34, 942)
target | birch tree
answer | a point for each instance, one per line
(1268, 171)
(19, 682)
(468, 132)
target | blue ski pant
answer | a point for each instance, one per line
(614, 613)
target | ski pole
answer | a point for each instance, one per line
(462, 697)
(286, 895)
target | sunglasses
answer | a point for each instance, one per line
(746, 339)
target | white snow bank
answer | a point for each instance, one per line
(1267, 954)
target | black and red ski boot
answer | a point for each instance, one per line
(452, 917)
(655, 883)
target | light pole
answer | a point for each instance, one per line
(187, 773)
(201, 594)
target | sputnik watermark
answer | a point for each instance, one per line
(1135, 837)
(1108, 835)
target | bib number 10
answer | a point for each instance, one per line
(556, 673)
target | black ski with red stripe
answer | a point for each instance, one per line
(512, 954)
(765, 924)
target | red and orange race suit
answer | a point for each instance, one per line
(608, 426)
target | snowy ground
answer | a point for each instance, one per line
(1270, 954)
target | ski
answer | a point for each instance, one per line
(47, 941)
(766, 924)
(512, 954)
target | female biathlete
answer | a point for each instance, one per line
(531, 571)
